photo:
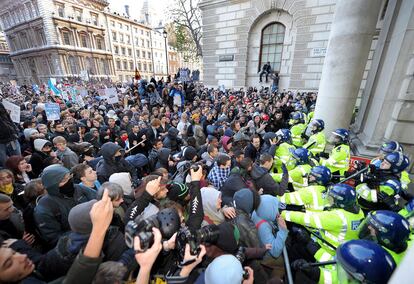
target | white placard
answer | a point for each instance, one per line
(52, 111)
(111, 95)
(14, 111)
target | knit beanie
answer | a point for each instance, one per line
(79, 219)
(29, 132)
(177, 191)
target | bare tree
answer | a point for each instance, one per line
(187, 16)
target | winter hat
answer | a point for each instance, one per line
(228, 263)
(40, 143)
(189, 153)
(29, 132)
(79, 219)
(177, 191)
(124, 180)
(112, 114)
(229, 237)
(52, 176)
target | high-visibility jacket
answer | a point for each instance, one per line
(328, 275)
(297, 176)
(316, 143)
(405, 180)
(310, 117)
(335, 226)
(312, 197)
(283, 155)
(371, 195)
(297, 131)
(338, 159)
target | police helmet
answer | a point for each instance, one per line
(322, 175)
(386, 228)
(301, 155)
(391, 146)
(342, 196)
(342, 134)
(399, 162)
(296, 118)
(284, 135)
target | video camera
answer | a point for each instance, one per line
(208, 234)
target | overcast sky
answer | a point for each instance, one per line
(136, 5)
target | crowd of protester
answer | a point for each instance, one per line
(175, 183)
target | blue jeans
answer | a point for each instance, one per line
(7, 150)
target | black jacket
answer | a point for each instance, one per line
(263, 179)
(52, 212)
(251, 152)
(108, 166)
(237, 180)
(8, 131)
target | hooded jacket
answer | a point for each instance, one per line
(212, 215)
(264, 218)
(52, 211)
(263, 179)
(172, 141)
(38, 157)
(108, 166)
(245, 201)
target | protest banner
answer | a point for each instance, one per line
(52, 111)
(111, 95)
(14, 111)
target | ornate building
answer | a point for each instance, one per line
(58, 39)
(131, 46)
(7, 71)
(358, 54)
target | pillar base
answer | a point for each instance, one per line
(359, 149)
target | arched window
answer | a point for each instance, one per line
(272, 45)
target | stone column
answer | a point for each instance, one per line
(349, 44)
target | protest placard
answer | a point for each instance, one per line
(14, 111)
(111, 95)
(52, 111)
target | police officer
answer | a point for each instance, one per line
(381, 188)
(317, 141)
(297, 120)
(388, 229)
(334, 226)
(281, 151)
(357, 261)
(303, 165)
(389, 147)
(312, 197)
(338, 160)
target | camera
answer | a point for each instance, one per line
(208, 234)
(166, 220)
(241, 256)
(143, 230)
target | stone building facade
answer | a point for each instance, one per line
(239, 36)
(130, 44)
(57, 38)
(357, 54)
(7, 71)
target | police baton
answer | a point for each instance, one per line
(354, 175)
(317, 264)
(321, 239)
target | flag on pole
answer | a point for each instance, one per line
(137, 75)
(51, 84)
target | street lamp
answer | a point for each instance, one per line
(164, 34)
